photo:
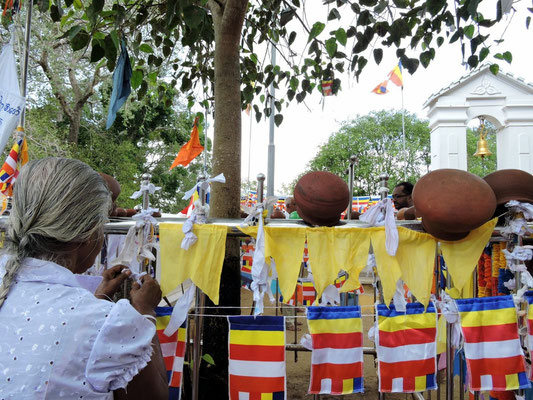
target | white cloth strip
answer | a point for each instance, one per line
(259, 369)
(499, 349)
(410, 352)
(178, 364)
(168, 349)
(337, 356)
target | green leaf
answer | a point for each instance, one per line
(143, 90)
(483, 53)
(56, 12)
(494, 68)
(498, 56)
(331, 46)
(341, 36)
(334, 14)
(294, 83)
(316, 30)
(378, 55)
(208, 359)
(78, 5)
(292, 37)
(469, 31)
(193, 16)
(146, 48)
(97, 52)
(278, 119)
(79, 41)
(507, 56)
(473, 61)
(136, 78)
(186, 84)
(440, 41)
(114, 38)
(44, 5)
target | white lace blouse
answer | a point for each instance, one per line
(57, 341)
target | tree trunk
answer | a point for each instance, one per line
(74, 128)
(228, 18)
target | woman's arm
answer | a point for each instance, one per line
(152, 382)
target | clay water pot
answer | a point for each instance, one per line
(112, 185)
(511, 184)
(321, 197)
(435, 231)
(120, 212)
(130, 212)
(453, 201)
(277, 214)
(406, 213)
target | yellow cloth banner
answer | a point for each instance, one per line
(414, 262)
(332, 249)
(286, 247)
(461, 256)
(202, 262)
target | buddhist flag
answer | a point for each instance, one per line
(257, 358)
(395, 76)
(327, 87)
(406, 348)
(529, 298)
(17, 157)
(308, 292)
(494, 358)
(190, 150)
(337, 357)
(381, 88)
(173, 349)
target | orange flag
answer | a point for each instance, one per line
(190, 150)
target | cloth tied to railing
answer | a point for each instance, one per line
(139, 241)
(381, 214)
(180, 310)
(524, 208)
(399, 297)
(260, 269)
(198, 216)
(145, 187)
(203, 185)
(449, 309)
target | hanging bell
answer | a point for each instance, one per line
(482, 148)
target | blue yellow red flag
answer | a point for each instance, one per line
(395, 76)
(381, 88)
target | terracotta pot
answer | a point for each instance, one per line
(130, 212)
(511, 184)
(406, 213)
(321, 197)
(277, 214)
(112, 185)
(434, 230)
(453, 201)
(353, 216)
(120, 212)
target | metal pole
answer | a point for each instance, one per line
(146, 194)
(271, 146)
(260, 187)
(353, 159)
(205, 143)
(449, 350)
(197, 344)
(250, 143)
(403, 140)
(26, 59)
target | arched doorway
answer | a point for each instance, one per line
(504, 100)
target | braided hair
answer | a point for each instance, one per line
(56, 202)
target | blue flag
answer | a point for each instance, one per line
(121, 85)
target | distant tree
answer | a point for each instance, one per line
(376, 140)
(477, 165)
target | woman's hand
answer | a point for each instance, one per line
(145, 298)
(113, 278)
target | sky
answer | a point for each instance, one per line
(299, 137)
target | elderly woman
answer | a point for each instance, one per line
(57, 339)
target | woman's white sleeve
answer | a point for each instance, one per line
(122, 348)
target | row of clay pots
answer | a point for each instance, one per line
(452, 202)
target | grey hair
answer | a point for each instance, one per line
(56, 201)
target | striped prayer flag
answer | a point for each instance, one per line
(395, 76)
(17, 157)
(308, 293)
(256, 358)
(494, 357)
(173, 349)
(406, 348)
(529, 298)
(381, 88)
(337, 357)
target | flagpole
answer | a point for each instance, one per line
(250, 144)
(27, 31)
(403, 140)
(205, 145)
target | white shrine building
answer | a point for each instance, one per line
(503, 99)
